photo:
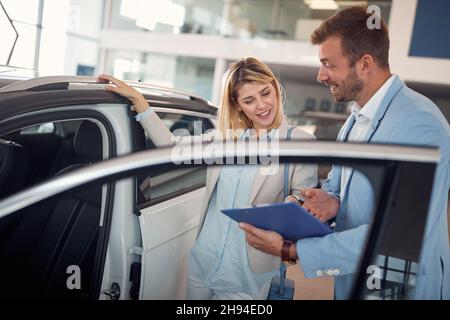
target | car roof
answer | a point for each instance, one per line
(19, 96)
(8, 81)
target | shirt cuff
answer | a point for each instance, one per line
(143, 115)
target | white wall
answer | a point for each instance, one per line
(210, 46)
(53, 40)
(80, 52)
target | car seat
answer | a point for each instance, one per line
(53, 235)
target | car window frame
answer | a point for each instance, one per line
(138, 133)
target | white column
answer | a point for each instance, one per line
(106, 24)
(220, 65)
(37, 46)
(107, 12)
(226, 27)
(101, 61)
(219, 70)
(53, 43)
(274, 24)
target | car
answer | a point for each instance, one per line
(90, 209)
(50, 125)
(44, 115)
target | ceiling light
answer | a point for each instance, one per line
(321, 4)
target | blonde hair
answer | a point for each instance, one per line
(246, 70)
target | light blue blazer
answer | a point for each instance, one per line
(404, 117)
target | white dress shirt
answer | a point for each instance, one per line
(363, 121)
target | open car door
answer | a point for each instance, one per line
(401, 178)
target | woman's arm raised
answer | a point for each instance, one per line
(121, 88)
(152, 124)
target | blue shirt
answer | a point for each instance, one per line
(219, 256)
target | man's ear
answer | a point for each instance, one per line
(366, 64)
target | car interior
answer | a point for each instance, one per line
(37, 153)
(39, 242)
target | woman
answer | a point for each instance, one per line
(221, 264)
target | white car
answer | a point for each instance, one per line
(76, 225)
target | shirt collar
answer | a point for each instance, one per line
(371, 107)
(246, 135)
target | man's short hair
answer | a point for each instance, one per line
(350, 25)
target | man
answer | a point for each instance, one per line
(355, 67)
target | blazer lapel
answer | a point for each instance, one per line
(213, 174)
(260, 178)
(212, 180)
(395, 87)
(348, 125)
(261, 175)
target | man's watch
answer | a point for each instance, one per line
(298, 197)
(285, 250)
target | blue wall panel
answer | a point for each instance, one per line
(431, 33)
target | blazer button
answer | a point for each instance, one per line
(319, 273)
(336, 272)
(330, 272)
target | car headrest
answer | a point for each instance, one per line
(87, 142)
(13, 167)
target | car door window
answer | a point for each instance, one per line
(34, 153)
(163, 184)
(40, 246)
(48, 127)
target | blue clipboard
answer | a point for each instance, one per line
(290, 220)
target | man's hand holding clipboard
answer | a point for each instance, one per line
(320, 204)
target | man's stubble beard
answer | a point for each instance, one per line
(350, 87)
